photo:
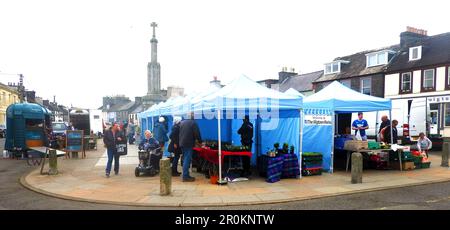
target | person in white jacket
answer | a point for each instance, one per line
(423, 143)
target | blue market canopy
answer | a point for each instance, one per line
(342, 99)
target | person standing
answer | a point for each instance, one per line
(160, 132)
(130, 132)
(111, 137)
(360, 125)
(384, 122)
(387, 133)
(246, 132)
(174, 146)
(189, 133)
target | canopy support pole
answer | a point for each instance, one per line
(337, 124)
(392, 134)
(300, 153)
(376, 126)
(220, 181)
(332, 142)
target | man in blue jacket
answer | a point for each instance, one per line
(160, 132)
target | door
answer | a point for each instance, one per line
(434, 122)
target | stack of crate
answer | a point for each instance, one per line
(312, 163)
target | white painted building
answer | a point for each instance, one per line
(418, 83)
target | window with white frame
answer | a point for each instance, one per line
(406, 82)
(374, 59)
(334, 67)
(415, 53)
(366, 85)
(428, 79)
(448, 75)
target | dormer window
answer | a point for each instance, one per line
(334, 67)
(378, 58)
(415, 53)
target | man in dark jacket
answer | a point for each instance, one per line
(246, 132)
(189, 133)
(110, 138)
(174, 146)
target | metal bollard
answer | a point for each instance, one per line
(357, 168)
(52, 162)
(165, 176)
(445, 154)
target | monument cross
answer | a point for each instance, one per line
(154, 25)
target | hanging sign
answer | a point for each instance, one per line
(439, 99)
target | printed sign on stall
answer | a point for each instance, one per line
(318, 120)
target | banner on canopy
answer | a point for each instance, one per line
(318, 134)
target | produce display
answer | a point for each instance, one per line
(226, 146)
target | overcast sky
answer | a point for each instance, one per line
(82, 50)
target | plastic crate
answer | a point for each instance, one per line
(417, 159)
(425, 165)
(312, 172)
(373, 145)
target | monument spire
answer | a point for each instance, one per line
(153, 68)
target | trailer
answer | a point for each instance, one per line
(87, 120)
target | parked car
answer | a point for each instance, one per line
(2, 131)
(59, 128)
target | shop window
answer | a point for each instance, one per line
(406, 83)
(447, 114)
(447, 78)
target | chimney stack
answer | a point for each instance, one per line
(215, 82)
(284, 74)
(138, 100)
(411, 37)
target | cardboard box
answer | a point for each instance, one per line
(355, 145)
(405, 165)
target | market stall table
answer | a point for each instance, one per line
(212, 155)
(375, 151)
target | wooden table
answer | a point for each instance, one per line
(376, 151)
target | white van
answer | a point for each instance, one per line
(402, 109)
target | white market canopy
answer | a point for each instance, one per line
(294, 92)
(342, 99)
(245, 94)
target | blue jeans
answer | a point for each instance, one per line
(187, 157)
(112, 156)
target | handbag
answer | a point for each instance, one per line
(122, 149)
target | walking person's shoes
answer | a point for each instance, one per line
(175, 173)
(107, 175)
(189, 179)
(116, 173)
